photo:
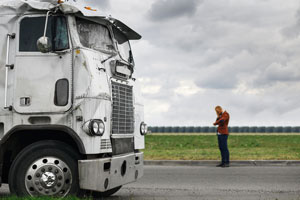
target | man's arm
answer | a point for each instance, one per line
(222, 119)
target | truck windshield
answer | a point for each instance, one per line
(94, 36)
(123, 46)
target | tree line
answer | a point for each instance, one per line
(232, 129)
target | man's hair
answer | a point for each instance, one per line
(218, 108)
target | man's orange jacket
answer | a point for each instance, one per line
(223, 121)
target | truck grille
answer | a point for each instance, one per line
(122, 109)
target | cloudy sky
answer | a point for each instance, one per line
(241, 54)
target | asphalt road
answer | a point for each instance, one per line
(234, 183)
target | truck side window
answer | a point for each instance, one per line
(32, 28)
(94, 36)
(61, 94)
(61, 40)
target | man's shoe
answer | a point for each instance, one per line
(226, 165)
(220, 165)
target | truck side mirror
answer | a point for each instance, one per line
(44, 44)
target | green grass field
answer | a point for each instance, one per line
(204, 147)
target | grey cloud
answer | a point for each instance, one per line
(218, 82)
(293, 31)
(102, 4)
(282, 75)
(170, 9)
(227, 29)
(277, 73)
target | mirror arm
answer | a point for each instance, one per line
(46, 23)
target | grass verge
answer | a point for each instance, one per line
(205, 147)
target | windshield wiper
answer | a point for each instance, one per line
(109, 57)
(130, 59)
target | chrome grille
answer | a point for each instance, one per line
(122, 109)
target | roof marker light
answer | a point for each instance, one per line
(89, 8)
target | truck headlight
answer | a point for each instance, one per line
(96, 127)
(143, 128)
(101, 127)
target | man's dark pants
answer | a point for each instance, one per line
(222, 140)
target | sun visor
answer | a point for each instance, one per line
(131, 34)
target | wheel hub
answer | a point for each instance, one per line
(48, 176)
(48, 179)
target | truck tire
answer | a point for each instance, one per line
(100, 195)
(45, 168)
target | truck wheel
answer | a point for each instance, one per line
(46, 168)
(99, 195)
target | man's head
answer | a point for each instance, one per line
(219, 110)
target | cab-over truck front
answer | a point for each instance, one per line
(71, 118)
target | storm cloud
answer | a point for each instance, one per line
(243, 55)
(102, 4)
(172, 9)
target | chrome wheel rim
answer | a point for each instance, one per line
(48, 176)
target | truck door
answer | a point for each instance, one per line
(43, 80)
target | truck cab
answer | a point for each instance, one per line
(71, 116)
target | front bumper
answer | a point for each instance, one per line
(107, 173)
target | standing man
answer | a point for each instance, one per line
(222, 122)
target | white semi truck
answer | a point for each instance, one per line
(71, 118)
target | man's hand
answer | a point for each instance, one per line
(215, 124)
